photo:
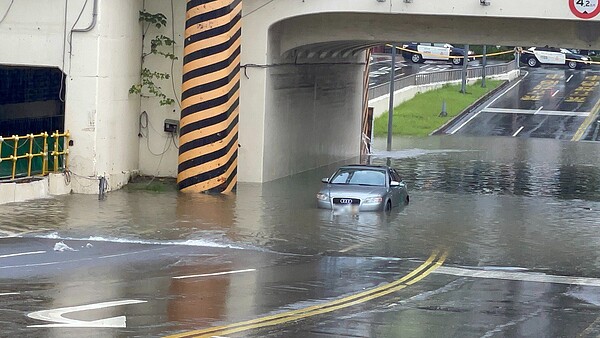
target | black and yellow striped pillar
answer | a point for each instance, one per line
(210, 97)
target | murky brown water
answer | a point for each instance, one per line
(492, 201)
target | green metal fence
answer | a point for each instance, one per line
(32, 155)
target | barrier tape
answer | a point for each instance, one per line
(452, 56)
(477, 56)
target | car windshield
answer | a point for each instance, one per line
(359, 177)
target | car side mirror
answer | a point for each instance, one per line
(397, 184)
(325, 180)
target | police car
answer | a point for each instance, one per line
(419, 52)
(536, 56)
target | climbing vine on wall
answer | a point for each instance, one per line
(161, 46)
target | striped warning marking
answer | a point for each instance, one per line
(210, 97)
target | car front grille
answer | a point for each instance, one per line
(352, 201)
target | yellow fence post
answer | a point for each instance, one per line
(30, 154)
(14, 157)
(66, 148)
(45, 158)
(55, 152)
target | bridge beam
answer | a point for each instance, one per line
(210, 97)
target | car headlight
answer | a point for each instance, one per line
(585, 58)
(322, 197)
(470, 52)
(377, 199)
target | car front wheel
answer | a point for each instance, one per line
(532, 62)
(457, 61)
(416, 58)
(572, 64)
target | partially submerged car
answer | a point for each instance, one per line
(536, 56)
(363, 188)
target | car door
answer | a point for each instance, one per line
(397, 192)
(432, 52)
(549, 55)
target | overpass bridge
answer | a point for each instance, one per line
(268, 88)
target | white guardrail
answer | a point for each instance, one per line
(443, 76)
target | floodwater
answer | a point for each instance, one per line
(511, 202)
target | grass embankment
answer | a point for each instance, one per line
(419, 116)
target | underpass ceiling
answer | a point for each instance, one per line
(346, 34)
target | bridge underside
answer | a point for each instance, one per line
(302, 87)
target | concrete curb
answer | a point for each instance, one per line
(442, 130)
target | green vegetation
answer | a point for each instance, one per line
(421, 115)
(152, 184)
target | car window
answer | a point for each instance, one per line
(359, 176)
(395, 175)
(341, 177)
(368, 177)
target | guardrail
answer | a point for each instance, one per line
(440, 77)
(33, 154)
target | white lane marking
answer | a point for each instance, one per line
(545, 112)
(489, 104)
(506, 91)
(78, 260)
(9, 293)
(518, 276)
(56, 315)
(556, 92)
(465, 123)
(215, 274)
(23, 254)
(518, 131)
(537, 111)
(570, 77)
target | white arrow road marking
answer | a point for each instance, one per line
(56, 315)
(215, 274)
(23, 254)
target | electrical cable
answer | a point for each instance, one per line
(64, 48)
(7, 10)
(173, 52)
(256, 9)
(70, 39)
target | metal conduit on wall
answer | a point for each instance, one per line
(210, 97)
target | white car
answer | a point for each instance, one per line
(419, 52)
(536, 56)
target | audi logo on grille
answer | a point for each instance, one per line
(345, 201)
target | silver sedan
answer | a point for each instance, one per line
(363, 188)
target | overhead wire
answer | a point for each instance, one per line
(7, 10)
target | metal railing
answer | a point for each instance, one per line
(440, 77)
(33, 154)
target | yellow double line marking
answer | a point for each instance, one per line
(433, 262)
(586, 123)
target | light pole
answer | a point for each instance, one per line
(391, 106)
(484, 62)
(463, 88)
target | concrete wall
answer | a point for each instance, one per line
(312, 117)
(100, 65)
(157, 149)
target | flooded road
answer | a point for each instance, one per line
(513, 206)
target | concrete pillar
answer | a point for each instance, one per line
(210, 97)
